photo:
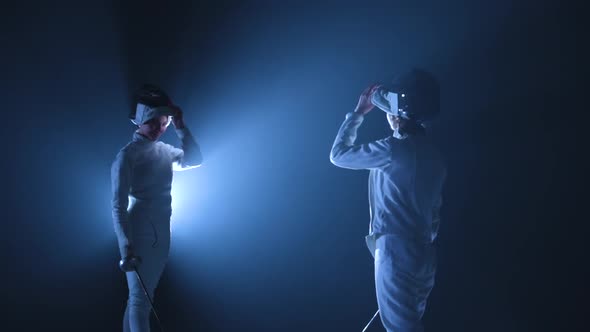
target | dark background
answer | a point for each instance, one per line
(268, 235)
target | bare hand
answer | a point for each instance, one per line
(364, 105)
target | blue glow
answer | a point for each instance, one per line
(267, 220)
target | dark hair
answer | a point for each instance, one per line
(150, 95)
(423, 93)
(411, 127)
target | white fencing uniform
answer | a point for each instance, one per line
(142, 171)
(405, 184)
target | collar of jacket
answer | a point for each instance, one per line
(137, 137)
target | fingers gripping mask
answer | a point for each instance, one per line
(144, 113)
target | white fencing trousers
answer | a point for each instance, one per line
(151, 242)
(404, 277)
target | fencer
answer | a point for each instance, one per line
(406, 177)
(141, 177)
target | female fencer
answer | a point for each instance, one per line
(141, 177)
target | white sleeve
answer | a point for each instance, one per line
(364, 156)
(189, 156)
(121, 172)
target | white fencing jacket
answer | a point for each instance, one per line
(142, 170)
(405, 180)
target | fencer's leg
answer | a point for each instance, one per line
(138, 305)
(153, 263)
(402, 289)
(126, 327)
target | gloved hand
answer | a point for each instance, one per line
(129, 263)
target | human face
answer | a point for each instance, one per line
(154, 128)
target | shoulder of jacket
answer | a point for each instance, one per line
(127, 151)
(162, 145)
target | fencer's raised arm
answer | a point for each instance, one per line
(346, 154)
(121, 173)
(189, 156)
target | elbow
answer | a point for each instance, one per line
(336, 158)
(344, 159)
(196, 161)
(333, 160)
(340, 155)
(187, 164)
(196, 158)
(192, 161)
